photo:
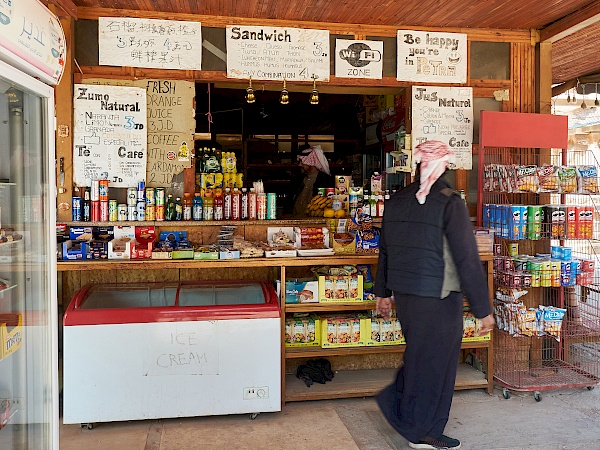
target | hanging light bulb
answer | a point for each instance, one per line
(314, 95)
(583, 104)
(250, 98)
(569, 96)
(284, 98)
(596, 102)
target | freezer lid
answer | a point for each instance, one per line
(171, 302)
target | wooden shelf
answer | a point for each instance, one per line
(324, 307)
(366, 383)
(150, 264)
(313, 221)
(318, 352)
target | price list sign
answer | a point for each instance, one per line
(109, 134)
(150, 43)
(270, 53)
(445, 114)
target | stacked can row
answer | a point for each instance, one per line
(524, 271)
(535, 222)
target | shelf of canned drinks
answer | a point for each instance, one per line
(534, 222)
(556, 269)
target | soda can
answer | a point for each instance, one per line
(586, 222)
(131, 196)
(141, 191)
(122, 212)
(150, 212)
(113, 211)
(141, 210)
(76, 209)
(514, 222)
(95, 191)
(159, 212)
(535, 269)
(149, 196)
(103, 190)
(271, 206)
(261, 206)
(131, 212)
(159, 196)
(513, 249)
(546, 274)
(567, 253)
(523, 222)
(95, 210)
(103, 210)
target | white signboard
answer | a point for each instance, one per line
(109, 134)
(358, 59)
(151, 43)
(270, 53)
(445, 114)
(431, 57)
(30, 32)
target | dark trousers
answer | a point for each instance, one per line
(418, 403)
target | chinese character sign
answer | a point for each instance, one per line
(432, 57)
(445, 114)
(150, 43)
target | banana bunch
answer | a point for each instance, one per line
(317, 206)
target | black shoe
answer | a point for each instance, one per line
(442, 443)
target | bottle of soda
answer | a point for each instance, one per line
(197, 207)
(380, 205)
(218, 206)
(170, 209)
(178, 209)
(208, 206)
(236, 204)
(244, 205)
(227, 204)
(187, 206)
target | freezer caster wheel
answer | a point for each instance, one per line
(590, 388)
(89, 426)
(506, 393)
(254, 416)
(537, 396)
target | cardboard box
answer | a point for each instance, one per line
(206, 255)
(340, 288)
(74, 250)
(303, 331)
(470, 328)
(120, 248)
(384, 332)
(161, 255)
(229, 254)
(141, 250)
(97, 249)
(343, 331)
(302, 291)
(178, 253)
(81, 233)
(344, 243)
(11, 333)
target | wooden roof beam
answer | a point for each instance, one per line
(67, 6)
(572, 23)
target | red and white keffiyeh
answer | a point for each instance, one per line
(314, 156)
(434, 157)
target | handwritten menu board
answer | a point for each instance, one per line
(431, 57)
(151, 43)
(445, 114)
(358, 59)
(171, 126)
(271, 53)
(109, 135)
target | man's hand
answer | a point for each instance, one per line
(383, 307)
(487, 325)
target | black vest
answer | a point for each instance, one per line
(413, 236)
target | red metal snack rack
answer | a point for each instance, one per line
(532, 351)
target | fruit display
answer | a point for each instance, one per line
(318, 205)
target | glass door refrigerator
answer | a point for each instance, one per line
(28, 308)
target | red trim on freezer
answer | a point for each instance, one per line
(76, 315)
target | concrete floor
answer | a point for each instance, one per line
(564, 419)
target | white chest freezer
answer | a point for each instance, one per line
(158, 350)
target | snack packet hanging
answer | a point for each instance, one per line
(527, 179)
(552, 318)
(567, 179)
(548, 178)
(588, 176)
